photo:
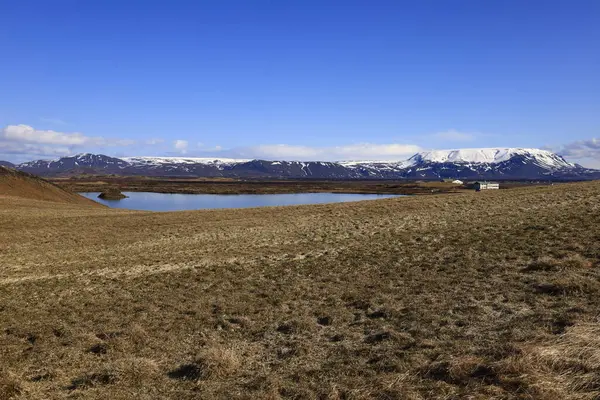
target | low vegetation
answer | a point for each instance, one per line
(111, 193)
(491, 295)
(26, 186)
(232, 186)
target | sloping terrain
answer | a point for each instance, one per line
(491, 295)
(500, 163)
(22, 185)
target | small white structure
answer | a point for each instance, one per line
(457, 182)
(486, 185)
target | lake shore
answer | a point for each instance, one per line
(149, 201)
(230, 186)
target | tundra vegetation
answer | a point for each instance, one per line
(111, 193)
(249, 186)
(491, 295)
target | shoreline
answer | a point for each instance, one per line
(217, 186)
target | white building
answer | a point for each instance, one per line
(457, 182)
(486, 185)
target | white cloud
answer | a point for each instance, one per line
(582, 148)
(154, 141)
(585, 152)
(280, 151)
(32, 149)
(181, 146)
(24, 139)
(27, 134)
(118, 142)
(360, 151)
(203, 148)
(454, 136)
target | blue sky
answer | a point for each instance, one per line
(298, 79)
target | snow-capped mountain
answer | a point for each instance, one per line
(492, 156)
(484, 163)
(155, 161)
(495, 163)
(80, 163)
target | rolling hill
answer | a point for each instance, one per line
(20, 184)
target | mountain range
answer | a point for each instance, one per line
(495, 163)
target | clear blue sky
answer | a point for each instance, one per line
(311, 75)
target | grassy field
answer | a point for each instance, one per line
(491, 295)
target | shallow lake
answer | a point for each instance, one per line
(177, 202)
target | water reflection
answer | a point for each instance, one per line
(177, 202)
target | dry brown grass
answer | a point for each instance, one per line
(479, 296)
(22, 185)
(254, 186)
(567, 366)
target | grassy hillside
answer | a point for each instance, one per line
(491, 295)
(22, 185)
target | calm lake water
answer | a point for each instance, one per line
(177, 202)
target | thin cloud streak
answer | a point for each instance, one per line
(453, 135)
(55, 121)
(361, 151)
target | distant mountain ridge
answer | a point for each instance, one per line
(492, 156)
(492, 163)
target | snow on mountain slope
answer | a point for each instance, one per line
(357, 162)
(497, 163)
(84, 160)
(491, 156)
(148, 161)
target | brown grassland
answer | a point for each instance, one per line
(491, 295)
(250, 186)
(20, 184)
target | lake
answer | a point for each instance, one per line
(176, 202)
